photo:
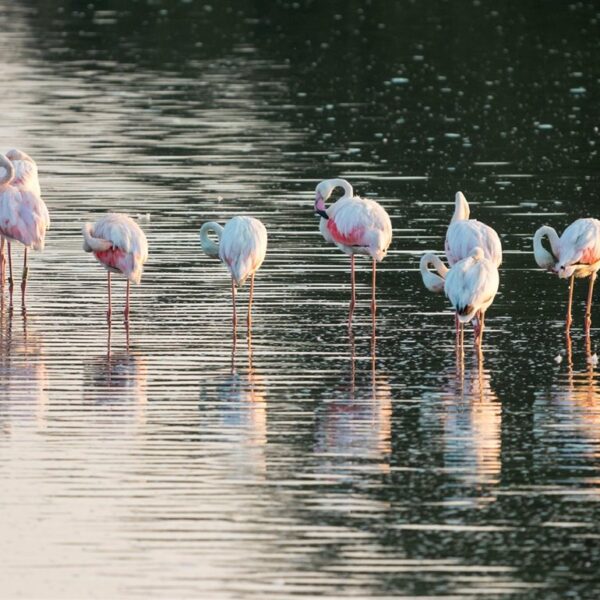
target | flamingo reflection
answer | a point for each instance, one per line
(234, 405)
(23, 377)
(354, 422)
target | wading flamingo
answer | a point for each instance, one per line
(575, 254)
(464, 235)
(471, 285)
(242, 247)
(23, 215)
(356, 226)
(118, 242)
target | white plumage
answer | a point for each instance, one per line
(119, 244)
(242, 248)
(464, 235)
(471, 285)
(355, 225)
(575, 254)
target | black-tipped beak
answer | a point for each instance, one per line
(322, 213)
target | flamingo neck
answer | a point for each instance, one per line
(8, 168)
(461, 208)
(207, 244)
(434, 282)
(345, 185)
(543, 258)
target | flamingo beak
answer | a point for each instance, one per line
(320, 206)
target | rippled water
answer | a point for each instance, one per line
(311, 462)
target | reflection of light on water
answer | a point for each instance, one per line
(236, 407)
(471, 419)
(23, 378)
(354, 423)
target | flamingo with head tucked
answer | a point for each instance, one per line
(464, 235)
(242, 247)
(356, 226)
(23, 214)
(471, 286)
(118, 243)
(575, 254)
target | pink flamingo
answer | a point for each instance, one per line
(575, 254)
(471, 286)
(464, 235)
(23, 214)
(242, 247)
(356, 226)
(117, 242)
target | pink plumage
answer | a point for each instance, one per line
(119, 244)
(355, 225)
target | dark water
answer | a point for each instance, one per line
(313, 463)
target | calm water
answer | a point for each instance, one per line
(311, 463)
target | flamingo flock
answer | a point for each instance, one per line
(357, 226)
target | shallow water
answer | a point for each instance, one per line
(310, 462)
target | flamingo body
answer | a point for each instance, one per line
(356, 226)
(471, 285)
(464, 235)
(243, 247)
(576, 253)
(118, 243)
(23, 214)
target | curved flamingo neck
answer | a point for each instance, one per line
(543, 258)
(8, 168)
(207, 244)
(434, 282)
(345, 185)
(461, 208)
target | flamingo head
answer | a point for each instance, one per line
(14, 154)
(565, 271)
(322, 192)
(478, 253)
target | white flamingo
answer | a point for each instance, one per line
(23, 214)
(464, 235)
(575, 254)
(356, 226)
(471, 285)
(118, 242)
(242, 247)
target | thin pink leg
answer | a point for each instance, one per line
(373, 300)
(353, 288)
(250, 304)
(588, 308)
(233, 296)
(2, 263)
(569, 320)
(109, 311)
(126, 311)
(24, 278)
(10, 273)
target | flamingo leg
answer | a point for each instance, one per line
(373, 300)
(10, 275)
(126, 310)
(233, 295)
(2, 263)
(570, 303)
(353, 287)
(250, 303)
(481, 320)
(109, 311)
(24, 277)
(588, 308)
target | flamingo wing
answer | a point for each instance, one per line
(243, 246)
(463, 237)
(580, 243)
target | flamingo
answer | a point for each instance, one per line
(471, 285)
(464, 235)
(356, 226)
(575, 254)
(117, 242)
(23, 214)
(242, 247)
